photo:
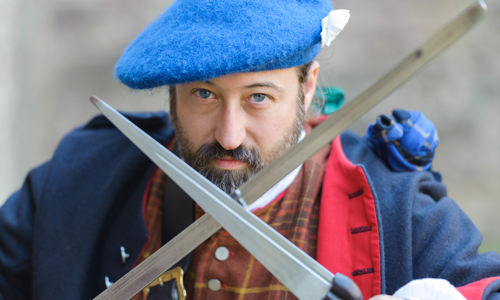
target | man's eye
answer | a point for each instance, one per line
(202, 93)
(259, 97)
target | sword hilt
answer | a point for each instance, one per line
(344, 288)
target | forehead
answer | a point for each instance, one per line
(279, 78)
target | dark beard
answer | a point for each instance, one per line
(226, 180)
(201, 159)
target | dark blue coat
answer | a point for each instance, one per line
(61, 233)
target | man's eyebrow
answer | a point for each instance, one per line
(209, 82)
(268, 84)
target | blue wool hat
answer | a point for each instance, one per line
(196, 40)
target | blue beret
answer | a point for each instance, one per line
(196, 40)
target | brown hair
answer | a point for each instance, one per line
(304, 71)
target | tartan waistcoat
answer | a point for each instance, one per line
(294, 214)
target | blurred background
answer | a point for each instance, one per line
(55, 54)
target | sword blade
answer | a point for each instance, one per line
(301, 274)
(146, 272)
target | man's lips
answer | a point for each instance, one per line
(229, 163)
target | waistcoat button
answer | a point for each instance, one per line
(221, 253)
(214, 285)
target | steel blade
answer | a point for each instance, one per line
(301, 274)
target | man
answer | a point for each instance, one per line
(241, 76)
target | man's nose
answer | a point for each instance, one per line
(230, 131)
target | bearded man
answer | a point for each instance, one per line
(242, 76)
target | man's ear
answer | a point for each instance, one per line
(309, 86)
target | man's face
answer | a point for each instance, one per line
(232, 126)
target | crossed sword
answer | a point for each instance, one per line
(301, 274)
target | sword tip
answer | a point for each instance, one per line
(94, 99)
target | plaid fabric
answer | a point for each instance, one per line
(295, 216)
(153, 217)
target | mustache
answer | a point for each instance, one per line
(214, 150)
